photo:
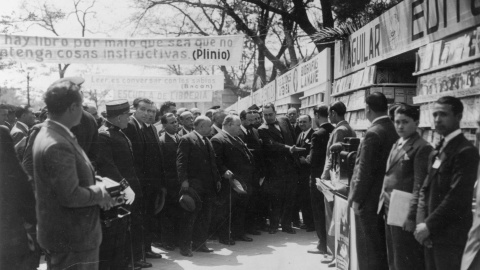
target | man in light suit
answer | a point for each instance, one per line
(444, 214)
(302, 200)
(234, 161)
(170, 216)
(197, 170)
(366, 184)
(281, 164)
(19, 132)
(407, 167)
(67, 196)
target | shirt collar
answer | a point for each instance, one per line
(402, 141)
(217, 128)
(63, 126)
(148, 125)
(140, 125)
(379, 118)
(307, 131)
(450, 137)
(21, 123)
(172, 136)
(341, 122)
(198, 134)
(244, 129)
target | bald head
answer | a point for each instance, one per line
(186, 119)
(203, 125)
(93, 111)
(218, 117)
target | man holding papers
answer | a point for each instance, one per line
(406, 170)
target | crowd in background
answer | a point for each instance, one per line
(97, 191)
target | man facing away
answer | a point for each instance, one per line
(444, 214)
(67, 196)
(367, 181)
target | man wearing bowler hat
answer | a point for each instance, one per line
(115, 161)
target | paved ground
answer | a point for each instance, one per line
(276, 252)
(280, 251)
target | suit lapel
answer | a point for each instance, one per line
(400, 153)
(445, 156)
(275, 131)
(22, 128)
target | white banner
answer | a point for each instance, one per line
(285, 84)
(157, 83)
(168, 95)
(216, 50)
(314, 72)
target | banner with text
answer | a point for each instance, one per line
(211, 50)
(406, 26)
(168, 95)
(157, 83)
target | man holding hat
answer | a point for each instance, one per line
(115, 161)
(67, 196)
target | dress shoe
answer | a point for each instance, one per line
(227, 242)
(203, 248)
(289, 230)
(186, 252)
(157, 244)
(303, 226)
(272, 231)
(297, 224)
(129, 267)
(332, 264)
(142, 264)
(316, 251)
(243, 238)
(309, 229)
(168, 247)
(153, 255)
(254, 232)
(327, 259)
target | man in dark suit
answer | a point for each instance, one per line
(407, 168)
(302, 200)
(292, 115)
(87, 135)
(25, 120)
(444, 214)
(366, 183)
(171, 214)
(136, 135)
(278, 139)
(217, 119)
(17, 207)
(234, 162)
(67, 196)
(317, 158)
(257, 208)
(115, 161)
(155, 177)
(197, 170)
(336, 115)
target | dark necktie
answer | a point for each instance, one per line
(245, 148)
(205, 141)
(440, 144)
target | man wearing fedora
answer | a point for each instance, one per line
(234, 161)
(115, 161)
(197, 170)
(67, 196)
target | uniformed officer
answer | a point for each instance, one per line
(115, 161)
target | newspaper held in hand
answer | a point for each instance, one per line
(399, 206)
(326, 187)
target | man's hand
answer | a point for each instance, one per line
(219, 186)
(308, 159)
(107, 202)
(129, 195)
(303, 160)
(261, 181)
(409, 225)
(421, 233)
(294, 149)
(185, 185)
(228, 175)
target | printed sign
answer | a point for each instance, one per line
(162, 96)
(216, 50)
(314, 72)
(270, 92)
(342, 233)
(406, 26)
(285, 83)
(157, 83)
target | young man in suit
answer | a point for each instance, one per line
(407, 167)
(171, 214)
(136, 135)
(115, 161)
(367, 181)
(256, 206)
(302, 200)
(281, 164)
(234, 161)
(19, 132)
(68, 214)
(316, 158)
(197, 170)
(336, 115)
(445, 206)
(471, 254)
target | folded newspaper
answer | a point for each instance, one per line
(399, 207)
(326, 187)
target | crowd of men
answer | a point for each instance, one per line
(97, 192)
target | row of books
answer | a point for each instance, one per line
(313, 100)
(471, 111)
(431, 136)
(458, 78)
(443, 52)
(358, 79)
